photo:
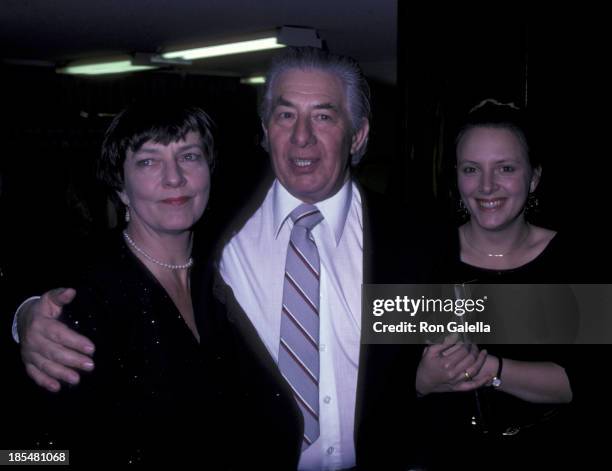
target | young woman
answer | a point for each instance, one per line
(507, 398)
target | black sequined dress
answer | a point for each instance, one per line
(154, 396)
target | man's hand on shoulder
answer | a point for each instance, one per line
(52, 352)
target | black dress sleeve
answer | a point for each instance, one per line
(79, 415)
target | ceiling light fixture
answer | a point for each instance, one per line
(103, 68)
(226, 49)
(284, 36)
(256, 80)
(119, 65)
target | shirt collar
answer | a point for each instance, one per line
(334, 209)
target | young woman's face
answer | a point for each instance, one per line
(494, 176)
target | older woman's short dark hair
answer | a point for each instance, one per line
(347, 69)
(139, 123)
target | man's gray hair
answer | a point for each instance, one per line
(344, 67)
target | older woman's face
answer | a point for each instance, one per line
(167, 186)
(494, 176)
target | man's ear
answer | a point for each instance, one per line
(535, 178)
(360, 137)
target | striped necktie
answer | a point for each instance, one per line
(298, 356)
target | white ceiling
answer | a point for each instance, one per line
(55, 31)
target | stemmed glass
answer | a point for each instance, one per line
(479, 420)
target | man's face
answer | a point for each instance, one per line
(309, 134)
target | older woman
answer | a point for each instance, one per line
(153, 383)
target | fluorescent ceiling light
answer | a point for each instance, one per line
(100, 68)
(257, 80)
(226, 49)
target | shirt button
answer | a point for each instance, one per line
(321, 347)
(327, 399)
(330, 450)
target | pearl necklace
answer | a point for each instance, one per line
(151, 259)
(498, 255)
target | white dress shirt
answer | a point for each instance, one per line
(253, 265)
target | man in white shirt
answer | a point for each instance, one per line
(315, 116)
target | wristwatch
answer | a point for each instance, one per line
(496, 382)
